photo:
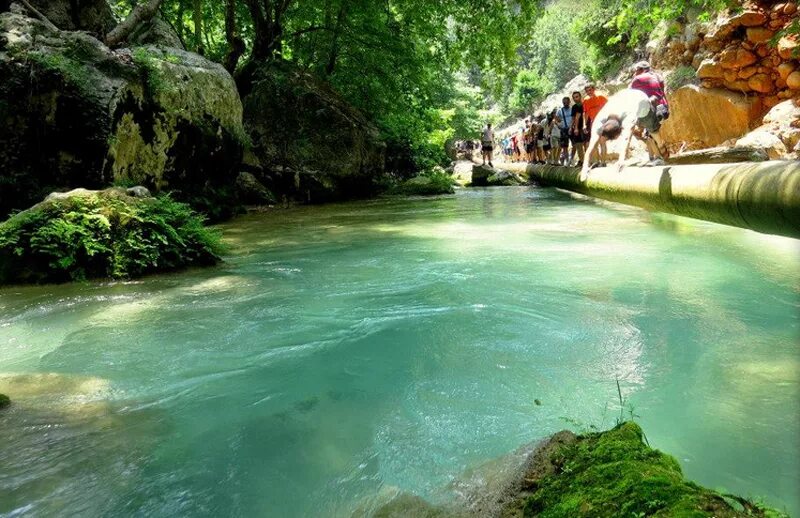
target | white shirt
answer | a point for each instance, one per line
(488, 135)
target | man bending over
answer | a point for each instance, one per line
(626, 112)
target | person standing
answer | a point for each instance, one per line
(652, 85)
(592, 104)
(565, 114)
(576, 132)
(555, 139)
(487, 144)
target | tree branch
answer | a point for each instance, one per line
(39, 15)
(140, 14)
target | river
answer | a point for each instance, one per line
(346, 353)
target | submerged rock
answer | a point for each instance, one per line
(315, 145)
(485, 176)
(75, 112)
(426, 185)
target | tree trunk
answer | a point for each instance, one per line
(198, 26)
(179, 27)
(141, 13)
(333, 56)
(236, 45)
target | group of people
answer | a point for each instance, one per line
(583, 125)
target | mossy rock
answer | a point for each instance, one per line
(615, 473)
(431, 185)
(75, 114)
(92, 234)
(4, 401)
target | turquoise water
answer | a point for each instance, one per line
(345, 354)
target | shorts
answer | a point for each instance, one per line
(555, 141)
(576, 139)
(487, 148)
(564, 141)
(540, 143)
(650, 122)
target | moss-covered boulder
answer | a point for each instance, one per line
(4, 401)
(486, 176)
(94, 16)
(74, 113)
(112, 234)
(426, 185)
(312, 145)
(615, 473)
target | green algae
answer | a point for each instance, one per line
(615, 473)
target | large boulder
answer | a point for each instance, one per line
(75, 113)
(313, 144)
(779, 132)
(701, 117)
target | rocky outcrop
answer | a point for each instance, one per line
(76, 113)
(310, 143)
(779, 135)
(702, 117)
(736, 52)
(485, 176)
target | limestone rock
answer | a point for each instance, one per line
(793, 80)
(77, 113)
(737, 58)
(709, 69)
(481, 174)
(284, 114)
(761, 83)
(749, 19)
(708, 117)
(504, 179)
(759, 34)
(763, 139)
(784, 69)
(783, 121)
(747, 72)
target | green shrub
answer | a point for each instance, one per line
(681, 76)
(106, 234)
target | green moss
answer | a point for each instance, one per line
(614, 473)
(105, 234)
(4, 401)
(429, 184)
(72, 70)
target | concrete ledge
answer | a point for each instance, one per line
(764, 197)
